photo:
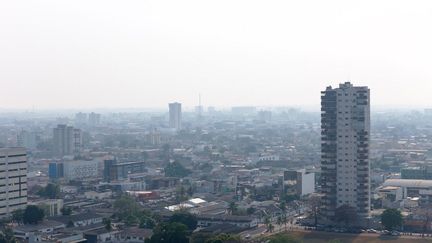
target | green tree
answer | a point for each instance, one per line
(224, 238)
(170, 233)
(70, 224)
(18, 215)
(181, 194)
(66, 211)
(284, 219)
(126, 208)
(33, 215)
(283, 206)
(185, 218)
(268, 223)
(315, 205)
(391, 219)
(232, 208)
(147, 222)
(200, 237)
(250, 211)
(283, 238)
(176, 169)
(108, 224)
(345, 214)
(51, 191)
(7, 236)
(279, 221)
(147, 219)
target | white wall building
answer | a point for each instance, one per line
(27, 140)
(80, 169)
(52, 207)
(345, 135)
(175, 115)
(13, 180)
(67, 140)
(303, 182)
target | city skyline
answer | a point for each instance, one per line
(145, 54)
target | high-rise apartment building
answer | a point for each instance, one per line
(27, 139)
(13, 180)
(94, 119)
(67, 140)
(345, 134)
(175, 115)
(81, 118)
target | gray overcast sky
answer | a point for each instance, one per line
(102, 53)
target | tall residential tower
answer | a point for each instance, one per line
(67, 140)
(175, 115)
(345, 134)
(13, 180)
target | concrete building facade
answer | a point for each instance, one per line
(175, 115)
(13, 180)
(345, 135)
(67, 140)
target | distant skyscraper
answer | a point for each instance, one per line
(67, 140)
(13, 189)
(199, 109)
(94, 119)
(345, 134)
(80, 118)
(175, 115)
(27, 139)
(265, 116)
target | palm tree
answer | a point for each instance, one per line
(108, 225)
(284, 221)
(270, 227)
(232, 208)
(267, 222)
(279, 222)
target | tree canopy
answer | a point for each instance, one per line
(283, 238)
(185, 218)
(66, 211)
(391, 219)
(176, 169)
(33, 215)
(7, 236)
(131, 213)
(345, 214)
(126, 207)
(51, 191)
(170, 233)
(223, 238)
(18, 215)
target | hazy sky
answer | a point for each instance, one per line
(101, 53)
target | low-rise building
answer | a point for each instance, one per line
(239, 221)
(74, 169)
(303, 182)
(78, 220)
(47, 227)
(52, 207)
(134, 235)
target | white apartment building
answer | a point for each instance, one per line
(345, 128)
(27, 139)
(175, 115)
(67, 140)
(13, 180)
